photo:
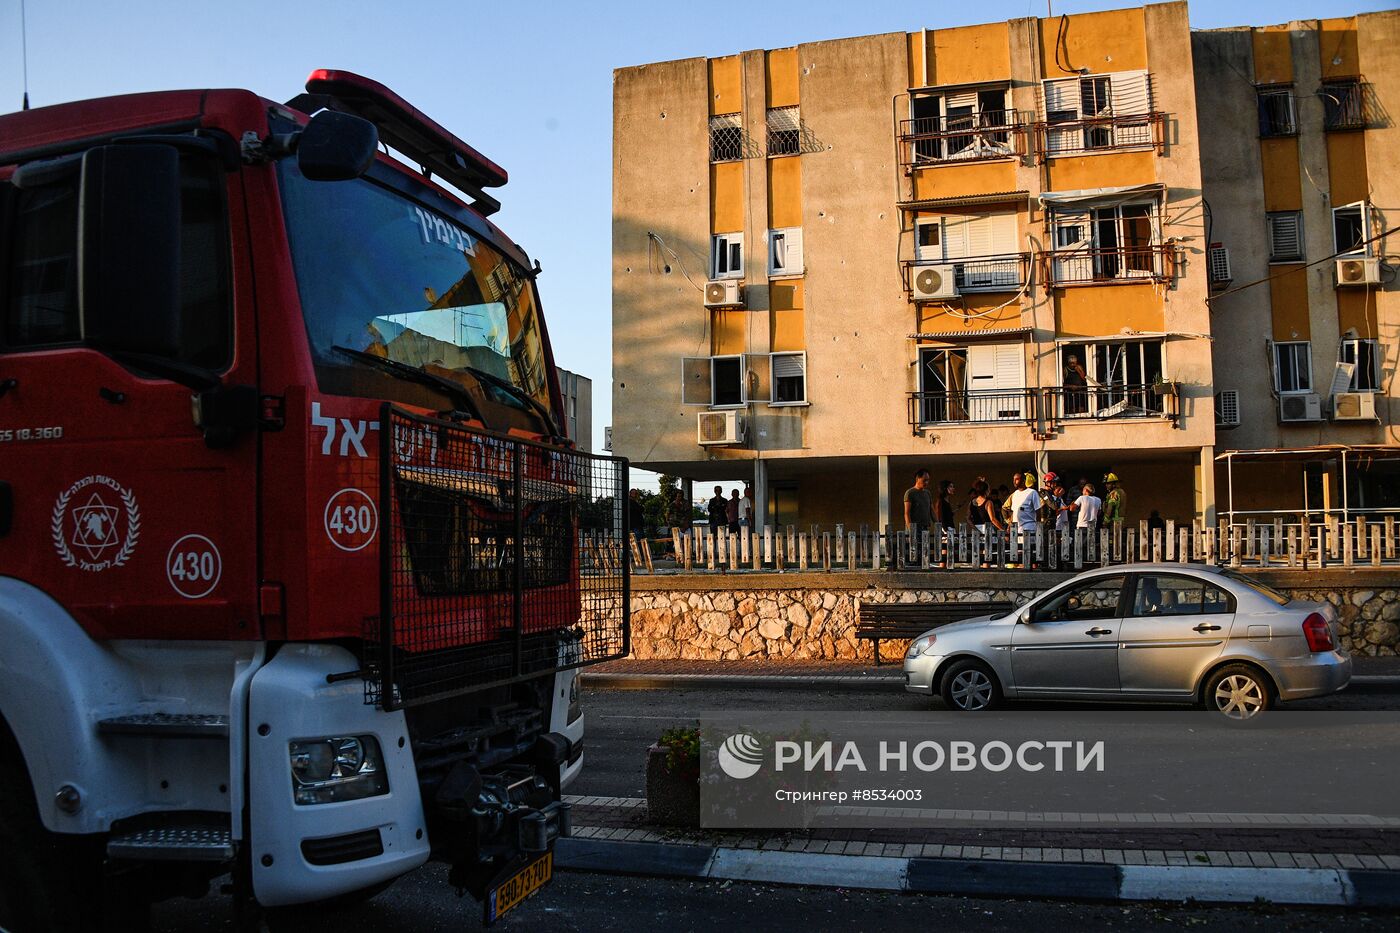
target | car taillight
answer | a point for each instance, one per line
(1318, 633)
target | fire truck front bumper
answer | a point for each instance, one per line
(333, 792)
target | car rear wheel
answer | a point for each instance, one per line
(970, 686)
(1238, 692)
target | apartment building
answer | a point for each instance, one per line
(1303, 302)
(978, 249)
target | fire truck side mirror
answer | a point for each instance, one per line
(336, 147)
(129, 249)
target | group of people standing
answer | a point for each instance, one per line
(1021, 504)
(734, 513)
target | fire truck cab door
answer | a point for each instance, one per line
(122, 509)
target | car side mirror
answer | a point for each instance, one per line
(129, 249)
(336, 146)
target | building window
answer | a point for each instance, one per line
(1293, 367)
(727, 256)
(980, 383)
(784, 131)
(1350, 229)
(1096, 112)
(1110, 378)
(789, 372)
(1276, 113)
(981, 248)
(1343, 105)
(1285, 236)
(726, 137)
(1365, 356)
(785, 251)
(962, 126)
(1107, 243)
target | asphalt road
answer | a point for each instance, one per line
(623, 723)
(422, 902)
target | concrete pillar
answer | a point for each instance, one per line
(1205, 487)
(884, 468)
(760, 493)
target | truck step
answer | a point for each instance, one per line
(167, 725)
(183, 843)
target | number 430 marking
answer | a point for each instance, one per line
(193, 566)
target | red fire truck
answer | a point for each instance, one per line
(291, 584)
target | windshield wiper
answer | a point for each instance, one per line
(453, 390)
(512, 389)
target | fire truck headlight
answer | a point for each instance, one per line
(337, 768)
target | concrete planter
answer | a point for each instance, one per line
(673, 793)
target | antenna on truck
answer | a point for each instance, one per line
(24, 53)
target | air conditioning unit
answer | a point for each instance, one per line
(1218, 265)
(724, 293)
(1292, 408)
(1362, 270)
(1227, 408)
(931, 283)
(719, 428)
(1354, 406)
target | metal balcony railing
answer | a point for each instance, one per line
(972, 406)
(1109, 402)
(1124, 264)
(1005, 272)
(993, 134)
(1048, 407)
(1097, 134)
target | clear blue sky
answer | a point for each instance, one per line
(527, 83)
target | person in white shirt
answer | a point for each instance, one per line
(1087, 507)
(1025, 503)
(746, 508)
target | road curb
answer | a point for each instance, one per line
(1316, 887)
(603, 680)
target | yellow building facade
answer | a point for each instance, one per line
(975, 250)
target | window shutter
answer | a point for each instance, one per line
(955, 236)
(788, 365)
(793, 244)
(1010, 366)
(1285, 237)
(1062, 106)
(1130, 93)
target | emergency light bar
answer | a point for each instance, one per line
(407, 129)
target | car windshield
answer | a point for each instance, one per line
(1268, 592)
(386, 276)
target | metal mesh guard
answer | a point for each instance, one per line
(501, 560)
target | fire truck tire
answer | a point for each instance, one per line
(47, 882)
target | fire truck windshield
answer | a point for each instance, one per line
(384, 275)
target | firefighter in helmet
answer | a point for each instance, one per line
(1115, 501)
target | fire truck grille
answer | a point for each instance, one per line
(501, 559)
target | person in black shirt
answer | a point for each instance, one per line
(943, 505)
(918, 504)
(718, 507)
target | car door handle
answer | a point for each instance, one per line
(1203, 627)
(1099, 631)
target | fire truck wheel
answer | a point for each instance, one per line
(46, 882)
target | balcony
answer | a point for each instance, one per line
(1100, 134)
(1124, 265)
(1002, 273)
(994, 134)
(1109, 403)
(1344, 105)
(1049, 407)
(972, 406)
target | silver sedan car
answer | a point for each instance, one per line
(1175, 633)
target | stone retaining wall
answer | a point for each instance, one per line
(813, 616)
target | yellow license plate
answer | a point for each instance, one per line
(519, 886)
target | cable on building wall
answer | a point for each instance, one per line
(1269, 278)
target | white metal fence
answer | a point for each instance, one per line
(1274, 544)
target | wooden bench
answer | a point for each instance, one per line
(878, 621)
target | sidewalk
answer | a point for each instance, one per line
(629, 673)
(1355, 866)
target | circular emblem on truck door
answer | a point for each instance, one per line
(96, 524)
